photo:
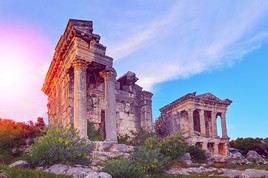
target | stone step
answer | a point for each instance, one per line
(103, 156)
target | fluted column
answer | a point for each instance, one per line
(80, 100)
(109, 76)
(214, 124)
(223, 125)
(202, 123)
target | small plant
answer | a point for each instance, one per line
(173, 146)
(123, 168)
(151, 143)
(151, 160)
(140, 136)
(92, 133)
(60, 145)
(124, 139)
(197, 154)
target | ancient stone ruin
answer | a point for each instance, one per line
(81, 86)
(196, 116)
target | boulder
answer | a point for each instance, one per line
(236, 156)
(91, 175)
(253, 155)
(232, 173)
(186, 158)
(58, 169)
(20, 164)
(103, 145)
(254, 173)
(104, 175)
(80, 172)
(119, 148)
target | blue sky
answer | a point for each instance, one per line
(175, 47)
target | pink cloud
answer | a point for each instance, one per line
(24, 52)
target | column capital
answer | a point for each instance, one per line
(108, 73)
(79, 64)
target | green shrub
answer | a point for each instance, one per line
(140, 136)
(60, 146)
(28, 173)
(6, 156)
(259, 145)
(123, 139)
(151, 142)
(197, 154)
(151, 160)
(123, 168)
(13, 134)
(173, 146)
(92, 133)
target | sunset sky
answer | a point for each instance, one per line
(173, 46)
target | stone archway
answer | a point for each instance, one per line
(196, 121)
(219, 126)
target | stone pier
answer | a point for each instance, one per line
(109, 76)
(80, 99)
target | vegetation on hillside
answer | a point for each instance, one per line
(260, 145)
(16, 136)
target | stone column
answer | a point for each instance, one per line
(223, 125)
(109, 76)
(80, 99)
(205, 145)
(214, 124)
(191, 122)
(202, 122)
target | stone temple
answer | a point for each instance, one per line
(81, 86)
(196, 116)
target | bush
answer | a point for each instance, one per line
(92, 133)
(13, 134)
(139, 137)
(245, 144)
(123, 139)
(197, 154)
(151, 143)
(151, 160)
(60, 146)
(27, 173)
(123, 168)
(173, 146)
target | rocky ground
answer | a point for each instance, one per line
(231, 165)
(234, 162)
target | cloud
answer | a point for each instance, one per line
(150, 31)
(191, 39)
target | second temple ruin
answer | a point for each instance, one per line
(196, 116)
(81, 86)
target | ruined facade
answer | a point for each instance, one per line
(81, 85)
(196, 117)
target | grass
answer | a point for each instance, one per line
(27, 173)
(244, 167)
(184, 176)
